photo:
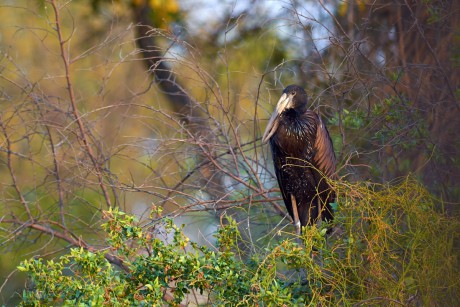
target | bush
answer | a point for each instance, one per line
(390, 246)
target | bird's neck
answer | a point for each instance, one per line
(294, 116)
(296, 134)
(292, 113)
(300, 123)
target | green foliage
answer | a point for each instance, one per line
(393, 247)
(435, 11)
(354, 119)
(82, 277)
(405, 247)
(401, 123)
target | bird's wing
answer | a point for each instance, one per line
(278, 163)
(324, 158)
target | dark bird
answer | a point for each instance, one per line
(303, 157)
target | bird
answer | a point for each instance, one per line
(303, 158)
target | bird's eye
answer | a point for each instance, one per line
(293, 94)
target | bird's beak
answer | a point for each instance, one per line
(284, 103)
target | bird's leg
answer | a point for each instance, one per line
(319, 219)
(296, 215)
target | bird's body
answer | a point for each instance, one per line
(303, 157)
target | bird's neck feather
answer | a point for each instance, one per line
(302, 125)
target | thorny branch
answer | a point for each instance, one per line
(83, 130)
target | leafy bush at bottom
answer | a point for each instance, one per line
(393, 247)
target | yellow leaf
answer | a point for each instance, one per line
(138, 2)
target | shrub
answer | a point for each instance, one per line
(390, 246)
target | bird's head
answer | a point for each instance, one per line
(293, 97)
